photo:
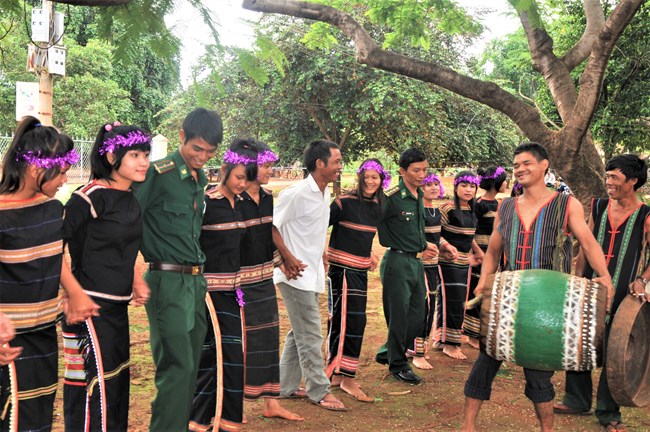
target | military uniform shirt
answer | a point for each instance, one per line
(402, 227)
(172, 212)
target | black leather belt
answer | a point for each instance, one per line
(417, 255)
(185, 269)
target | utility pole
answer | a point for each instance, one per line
(45, 78)
(46, 58)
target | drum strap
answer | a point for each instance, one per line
(558, 255)
(627, 234)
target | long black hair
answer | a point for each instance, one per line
(489, 180)
(246, 148)
(379, 195)
(100, 167)
(32, 137)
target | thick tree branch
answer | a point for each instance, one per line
(344, 139)
(368, 52)
(319, 123)
(555, 73)
(592, 78)
(595, 21)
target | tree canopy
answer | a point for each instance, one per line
(570, 145)
(326, 93)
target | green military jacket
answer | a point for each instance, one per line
(172, 205)
(402, 227)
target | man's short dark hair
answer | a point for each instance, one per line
(632, 167)
(204, 124)
(317, 149)
(536, 149)
(410, 156)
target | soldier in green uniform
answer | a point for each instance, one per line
(172, 203)
(402, 273)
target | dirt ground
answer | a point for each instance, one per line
(435, 405)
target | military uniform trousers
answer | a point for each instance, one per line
(177, 320)
(403, 297)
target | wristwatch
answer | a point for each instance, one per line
(643, 280)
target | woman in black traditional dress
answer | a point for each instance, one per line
(458, 226)
(31, 268)
(218, 400)
(261, 320)
(493, 182)
(433, 190)
(354, 217)
(103, 228)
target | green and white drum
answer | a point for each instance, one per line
(544, 320)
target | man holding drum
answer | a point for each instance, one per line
(533, 231)
(621, 225)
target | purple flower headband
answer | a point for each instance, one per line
(434, 178)
(233, 158)
(374, 166)
(47, 162)
(266, 157)
(494, 175)
(132, 138)
(467, 179)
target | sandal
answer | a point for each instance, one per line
(615, 427)
(300, 393)
(332, 404)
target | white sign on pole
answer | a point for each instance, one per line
(26, 99)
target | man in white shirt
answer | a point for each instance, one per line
(301, 214)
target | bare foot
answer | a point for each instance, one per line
(437, 345)
(351, 387)
(454, 352)
(244, 420)
(336, 380)
(421, 363)
(473, 342)
(272, 408)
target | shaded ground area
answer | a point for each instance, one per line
(435, 405)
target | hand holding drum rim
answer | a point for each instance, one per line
(638, 290)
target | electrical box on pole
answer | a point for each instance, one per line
(41, 25)
(46, 56)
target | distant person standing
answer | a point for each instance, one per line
(301, 216)
(402, 272)
(172, 205)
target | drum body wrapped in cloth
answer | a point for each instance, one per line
(544, 320)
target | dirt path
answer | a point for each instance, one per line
(435, 405)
